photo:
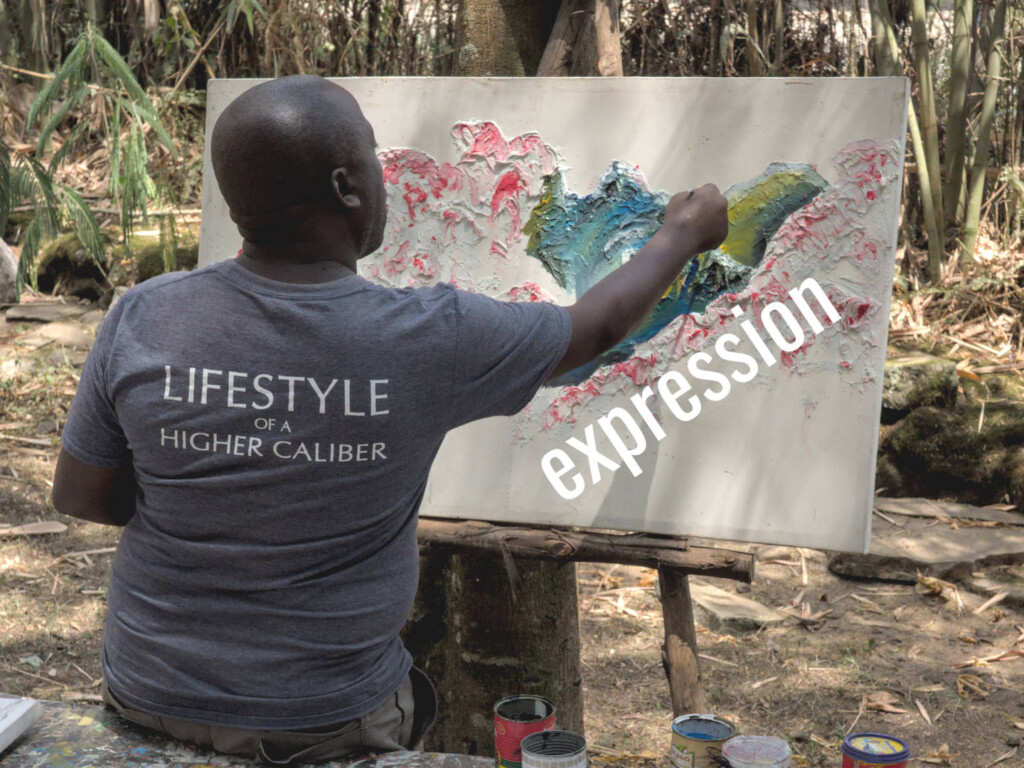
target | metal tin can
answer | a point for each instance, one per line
(757, 752)
(515, 718)
(869, 750)
(691, 737)
(554, 749)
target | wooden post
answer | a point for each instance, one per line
(679, 653)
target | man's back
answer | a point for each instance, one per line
(282, 436)
(264, 429)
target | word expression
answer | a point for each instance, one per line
(619, 423)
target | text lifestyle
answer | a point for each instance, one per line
(619, 424)
(234, 389)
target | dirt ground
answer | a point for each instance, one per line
(862, 655)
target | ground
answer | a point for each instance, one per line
(864, 655)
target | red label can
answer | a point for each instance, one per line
(516, 717)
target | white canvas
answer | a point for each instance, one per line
(489, 179)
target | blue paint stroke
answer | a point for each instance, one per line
(580, 240)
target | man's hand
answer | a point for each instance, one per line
(695, 222)
(702, 211)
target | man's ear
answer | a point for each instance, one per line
(342, 189)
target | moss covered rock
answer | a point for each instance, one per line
(968, 454)
(65, 269)
(917, 380)
(145, 259)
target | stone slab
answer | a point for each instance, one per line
(45, 312)
(931, 547)
(916, 507)
(720, 610)
(69, 334)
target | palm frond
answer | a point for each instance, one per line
(47, 97)
(84, 223)
(76, 91)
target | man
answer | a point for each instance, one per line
(263, 428)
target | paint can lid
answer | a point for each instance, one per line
(757, 752)
(703, 727)
(876, 748)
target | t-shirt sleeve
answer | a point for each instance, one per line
(92, 433)
(504, 352)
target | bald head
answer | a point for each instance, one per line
(275, 147)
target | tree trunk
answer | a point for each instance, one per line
(502, 38)
(779, 24)
(988, 111)
(752, 42)
(956, 122)
(480, 640)
(475, 634)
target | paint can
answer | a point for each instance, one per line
(554, 749)
(516, 717)
(867, 750)
(757, 752)
(692, 735)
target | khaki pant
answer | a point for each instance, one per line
(398, 724)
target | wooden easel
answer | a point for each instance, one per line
(674, 559)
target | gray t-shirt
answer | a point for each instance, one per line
(282, 435)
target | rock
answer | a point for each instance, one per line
(45, 311)
(918, 544)
(146, 259)
(1007, 579)
(46, 427)
(935, 452)
(917, 507)
(917, 380)
(65, 269)
(68, 334)
(721, 610)
(8, 274)
(1013, 740)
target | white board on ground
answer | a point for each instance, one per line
(747, 407)
(16, 715)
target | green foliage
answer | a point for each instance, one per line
(131, 185)
(92, 67)
(25, 180)
(235, 8)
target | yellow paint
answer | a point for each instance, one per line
(746, 212)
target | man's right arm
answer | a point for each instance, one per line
(695, 222)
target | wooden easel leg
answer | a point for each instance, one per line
(679, 653)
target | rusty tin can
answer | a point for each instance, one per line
(692, 735)
(515, 718)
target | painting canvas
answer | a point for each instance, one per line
(746, 406)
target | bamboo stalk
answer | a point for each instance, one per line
(956, 122)
(887, 62)
(929, 122)
(988, 111)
